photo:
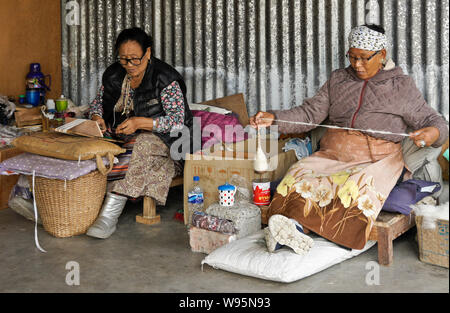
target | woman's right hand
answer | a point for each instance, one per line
(262, 120)
(100, 121)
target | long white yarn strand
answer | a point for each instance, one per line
(36, 240)
(337, 127)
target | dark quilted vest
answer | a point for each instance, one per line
(147, 97)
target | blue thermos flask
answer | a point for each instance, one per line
(36, 86)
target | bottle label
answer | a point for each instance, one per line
(195, 198)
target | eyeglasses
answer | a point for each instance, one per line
(353, 59)
(133, 61)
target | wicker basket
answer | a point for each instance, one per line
(69, 208)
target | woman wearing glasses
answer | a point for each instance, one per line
(141, 100)
(339, 190)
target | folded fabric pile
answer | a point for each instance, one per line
(217, 127)
(302, 147)
(8, 134)
(7, 109)
(220, 225)
(213, 223)
(408, 193)
(208, 232)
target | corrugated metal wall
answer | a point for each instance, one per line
(276, 52)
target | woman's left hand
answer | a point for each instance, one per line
(425, 137)
(129, 126)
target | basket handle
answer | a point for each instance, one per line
(101, 166)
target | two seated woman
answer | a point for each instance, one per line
(337, 192)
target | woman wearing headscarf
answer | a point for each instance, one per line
(338, 191)
(141, 101)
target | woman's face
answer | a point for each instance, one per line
(366, 63)
(133, 59)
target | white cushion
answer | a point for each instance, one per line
(249, 256)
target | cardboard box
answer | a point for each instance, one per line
(206, 241)
(223, 161)
(7, 182)
(433, 243)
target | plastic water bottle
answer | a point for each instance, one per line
(195, 198)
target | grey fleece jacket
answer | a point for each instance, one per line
(389, 101)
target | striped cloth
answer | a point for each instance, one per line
(120, 169)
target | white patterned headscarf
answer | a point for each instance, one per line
(362, 37)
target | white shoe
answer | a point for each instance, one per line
(288, 232)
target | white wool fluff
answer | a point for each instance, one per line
(261, 164)
(431, 213)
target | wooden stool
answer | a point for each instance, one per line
(387, 228)
(148, 216)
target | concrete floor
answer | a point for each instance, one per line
(139, 258)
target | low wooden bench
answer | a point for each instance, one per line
(387, 228)
(148, 216)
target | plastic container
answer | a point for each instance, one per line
(195, 198)
(22, 99)
(61, 104)
(50, 104)
(226, 194)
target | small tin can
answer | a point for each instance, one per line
(261, 192)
